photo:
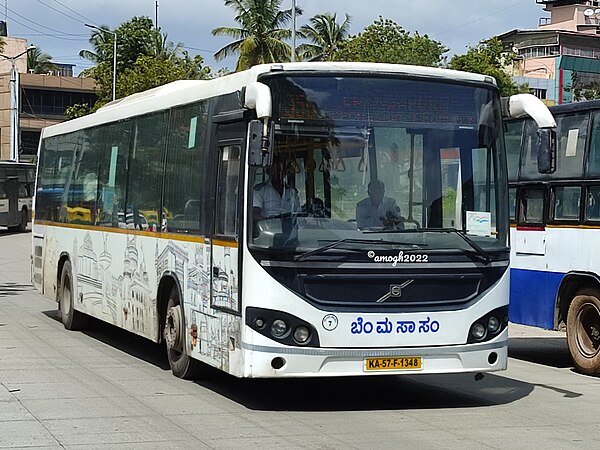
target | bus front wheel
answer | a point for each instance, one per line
(182, 364)
(71, 319)
(583, 331)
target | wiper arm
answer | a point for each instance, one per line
(339, 242)
(480, 252)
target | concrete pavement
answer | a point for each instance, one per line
(109, 389)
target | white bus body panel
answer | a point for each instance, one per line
(343, 352)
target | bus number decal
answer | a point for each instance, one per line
(360, 326)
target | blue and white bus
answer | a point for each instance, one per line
(555, 237)
(298, 219)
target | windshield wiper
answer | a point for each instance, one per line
(479, 252)
(339, 242)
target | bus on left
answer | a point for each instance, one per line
(16, 192)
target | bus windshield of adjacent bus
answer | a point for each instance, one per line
(377, 160)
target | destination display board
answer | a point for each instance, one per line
(376, 100)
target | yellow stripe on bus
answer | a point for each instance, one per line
(159, 235)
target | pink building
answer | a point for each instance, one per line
(560, 59)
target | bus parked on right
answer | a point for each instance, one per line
(555, 232)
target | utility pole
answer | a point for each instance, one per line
(14, 103)
(293, 30)
(156, 15)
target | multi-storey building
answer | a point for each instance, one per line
(561, 58)
(43, 99)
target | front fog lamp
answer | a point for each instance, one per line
(478, 331)
(493, 324)
(279, 328)
(301, 334)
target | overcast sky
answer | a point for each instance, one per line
(57, 26)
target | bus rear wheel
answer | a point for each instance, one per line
(182, 365)
(71, 319)
(583, 331)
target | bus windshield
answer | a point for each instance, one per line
(381, 159)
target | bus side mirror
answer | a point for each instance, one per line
(546, 150)
(259, 144)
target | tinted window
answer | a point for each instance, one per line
(146, 165)
(227, 190)
(186, 170)
(531, 209)
(114, 208)
(512, 137)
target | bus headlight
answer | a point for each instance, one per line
(493, 324)
(282, 327)
(279, 328)
(478, 331)
(301, 334)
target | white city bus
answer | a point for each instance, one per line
(221, 217)
(555, 270)
(16, 193)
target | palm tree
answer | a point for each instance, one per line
(260, 37)
(163, 49)
(39, 62)
(326, 35)
(101, 39)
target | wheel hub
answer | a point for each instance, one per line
(173, 328)
(588, 330)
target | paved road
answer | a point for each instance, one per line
(109, 389)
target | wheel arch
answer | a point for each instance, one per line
(62, 259)
(571, 283)
(168, 280)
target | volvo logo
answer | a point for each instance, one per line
(395, 291)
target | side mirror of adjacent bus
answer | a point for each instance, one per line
(259, 144)
(546, 150)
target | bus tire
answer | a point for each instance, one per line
(583, 331)
(71, 319)
(182, 364)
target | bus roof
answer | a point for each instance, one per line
(188, 91)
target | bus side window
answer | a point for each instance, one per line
(531, 207)
(593, 203)
(185, 170)
(566, 202)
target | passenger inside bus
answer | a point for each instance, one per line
(377, 211)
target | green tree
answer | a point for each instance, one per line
(489, 58)
(39, 62)
(260, 37)
(100, 40)
(387, 42)
(325, 35)
(145, 59)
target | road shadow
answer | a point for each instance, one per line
(388, 392)
(547, 351)
(10, 232)
(10, 289)
(369, 393)
(125, 341)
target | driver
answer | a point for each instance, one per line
(377, 210)
(275, 196)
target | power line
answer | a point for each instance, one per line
(73, 11)
(480, 18)
(46, 34)
(61, 12)
(39, 24)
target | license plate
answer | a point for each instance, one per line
(405, 363)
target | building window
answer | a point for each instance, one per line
(43, 102)
(29, 143)
(539, 93)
